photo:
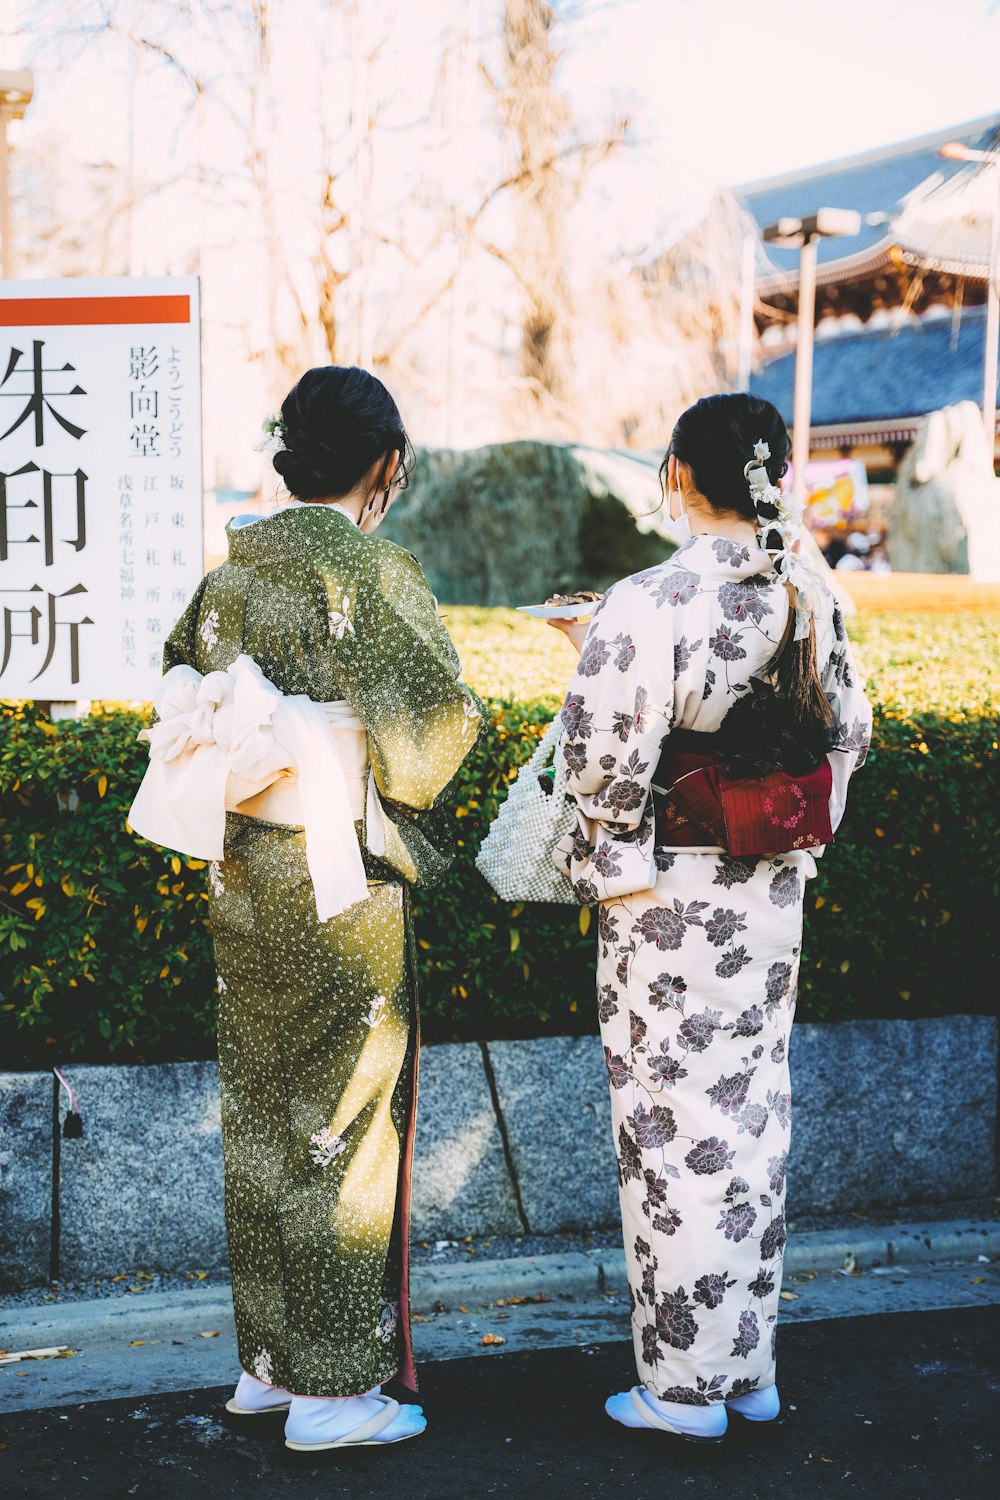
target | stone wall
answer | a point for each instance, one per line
(513, 1137)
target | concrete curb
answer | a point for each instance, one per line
(573, 1275)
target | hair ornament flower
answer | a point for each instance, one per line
(780, 514)
(273, 431)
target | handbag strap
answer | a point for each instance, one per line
(544, 748)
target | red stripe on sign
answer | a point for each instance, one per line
(38, 312)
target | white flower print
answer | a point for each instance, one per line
(215, 879)
(263, 1367)
(327, 1146)
(209, 629)
(388, 1320)
(376, 1012)
(340, 624)
(220, 985)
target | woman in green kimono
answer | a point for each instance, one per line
(318, 1030)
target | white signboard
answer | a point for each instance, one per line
(100, 481)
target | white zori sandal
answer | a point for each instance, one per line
(696, 1424)
(389, 1423)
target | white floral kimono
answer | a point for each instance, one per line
(697, 961)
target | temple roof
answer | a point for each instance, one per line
(876, 183)
(873, 384)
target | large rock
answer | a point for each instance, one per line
(946, 510)
(512, 522)
(892, 1112)
(553, 1095)
(460, 1181)
(25, 1178)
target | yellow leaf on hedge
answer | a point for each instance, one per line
(67, 885)
(845, 965)
(518, 909)
(820, 901)
(904, 994)
(515, 940)
(102, 785)
(175, 865)
(141, 923)
(22, 885)
(585, 920)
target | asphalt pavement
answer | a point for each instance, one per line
(887, 1405)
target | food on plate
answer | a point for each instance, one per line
(582, 596)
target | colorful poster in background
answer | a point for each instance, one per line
(837, 492)
(100, 481)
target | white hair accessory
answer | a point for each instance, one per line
(273, 440)
(784, 522)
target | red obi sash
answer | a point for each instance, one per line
(746, 815)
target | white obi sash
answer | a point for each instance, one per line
(233, 741)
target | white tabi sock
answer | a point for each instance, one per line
(256, 1395)
(757, 1406)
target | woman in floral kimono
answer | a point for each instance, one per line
(311, 722)
(710, 730)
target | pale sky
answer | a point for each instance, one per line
(726, 91)
(717, 91)
(723, 90)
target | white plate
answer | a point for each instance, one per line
(559, 611)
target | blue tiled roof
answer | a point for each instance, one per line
(876, 375)
(872, 183)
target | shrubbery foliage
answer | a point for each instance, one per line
(104, 947)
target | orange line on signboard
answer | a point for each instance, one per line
(37, 312)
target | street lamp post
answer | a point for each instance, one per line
(956, 151)
(16, 90)
(806, 234)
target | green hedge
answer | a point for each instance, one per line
(104, 945)
(104, 948)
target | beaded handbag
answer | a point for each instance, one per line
(516, 856)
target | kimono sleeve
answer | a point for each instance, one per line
(180, 647)
(618, 708)
(852, 712)
(401, 673)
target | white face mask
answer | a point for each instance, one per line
(678, 530)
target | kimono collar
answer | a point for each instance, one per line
(707, 553)
(297, 528)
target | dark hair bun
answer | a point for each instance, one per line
(716, 438)
(339, 421)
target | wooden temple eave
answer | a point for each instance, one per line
(899, 279)
(893, 434)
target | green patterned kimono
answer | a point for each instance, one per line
(318, 1026)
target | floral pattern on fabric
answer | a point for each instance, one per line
(696, 1053)
(677, 645)
(698, 956)
(318, 1030)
